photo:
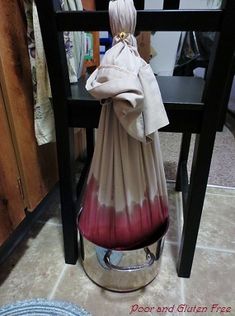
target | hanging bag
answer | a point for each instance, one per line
(125, 201)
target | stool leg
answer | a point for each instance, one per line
(66, 161)
(195, 199)
(183, 158)
(85, 171)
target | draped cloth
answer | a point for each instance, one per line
(125, 200)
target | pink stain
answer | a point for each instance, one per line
(121, 230)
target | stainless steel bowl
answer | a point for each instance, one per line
(125, 270)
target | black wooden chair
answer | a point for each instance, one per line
(193, 105)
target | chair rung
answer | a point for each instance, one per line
(147, 20)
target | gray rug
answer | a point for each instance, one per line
(42, 307)
(222, 171)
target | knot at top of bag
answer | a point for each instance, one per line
(122, 17)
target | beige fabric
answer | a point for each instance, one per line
(126, 78)
(125, 201)
(125, 168)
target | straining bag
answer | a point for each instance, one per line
(125, 200)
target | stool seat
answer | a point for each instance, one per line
(178, 94)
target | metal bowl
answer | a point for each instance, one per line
(123, 270)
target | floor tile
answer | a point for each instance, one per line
(163, 291)
(33, 268)
(37, 268)
(211, 281)
(218, 222)
(217, 225)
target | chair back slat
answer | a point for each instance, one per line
(147, 20)
(171, 4)
(103, 5)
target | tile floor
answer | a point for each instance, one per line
(36, 269)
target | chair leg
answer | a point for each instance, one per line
(183, 158)
(195, 199)
(66, 161)
(85, 171)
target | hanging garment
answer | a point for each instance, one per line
(74, 47)
(43, 113)
(125, 201)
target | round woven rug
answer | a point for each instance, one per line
(42, 307)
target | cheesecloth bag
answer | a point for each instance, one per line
(125, 200)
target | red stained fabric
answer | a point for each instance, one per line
(124, 229)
